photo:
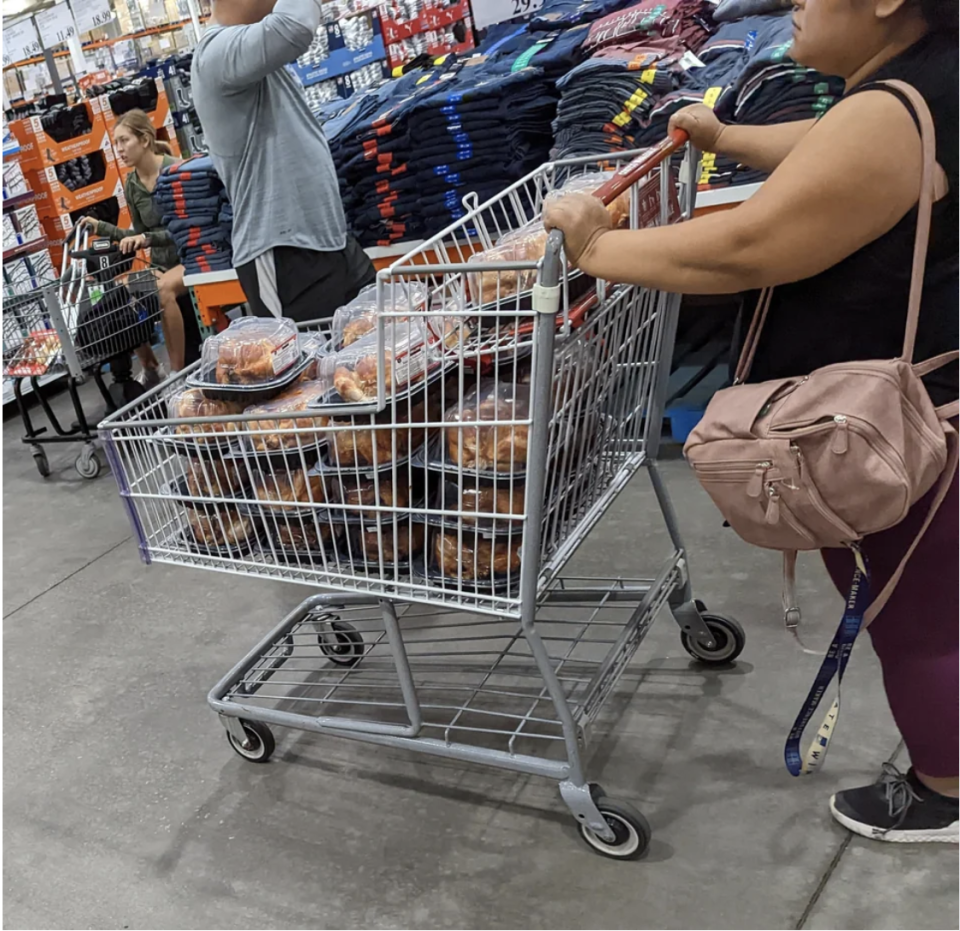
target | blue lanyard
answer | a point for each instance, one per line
(834, 664)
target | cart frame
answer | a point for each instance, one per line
(374, 639)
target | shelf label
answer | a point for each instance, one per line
(20, 41)
(91, 14)
(496, 11)
(56, 24)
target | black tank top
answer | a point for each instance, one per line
(857, 309)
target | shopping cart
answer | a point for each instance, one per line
(442, 506)
(103, 306)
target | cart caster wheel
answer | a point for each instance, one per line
(42, 463)
(88, 463)
(259, 745)
(630, 827)
(344, 644)
(729, 640)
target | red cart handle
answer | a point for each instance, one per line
(641, 165)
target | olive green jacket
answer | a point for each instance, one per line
(147, 219)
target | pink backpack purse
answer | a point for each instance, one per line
(823, 460)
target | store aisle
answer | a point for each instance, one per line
(124, 806)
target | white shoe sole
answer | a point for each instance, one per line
(947, 835)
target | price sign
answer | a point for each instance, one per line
(489, 12)
(91, 14)
(56, 24)
(20, 41)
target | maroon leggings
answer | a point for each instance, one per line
(915, 635)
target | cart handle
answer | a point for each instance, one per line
(633, 171)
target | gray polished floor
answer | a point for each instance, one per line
(124, 807)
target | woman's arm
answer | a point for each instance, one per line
(760, 147)
(110, 231)
(159, 237)
(847, 182)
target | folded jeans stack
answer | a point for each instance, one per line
(197, 214)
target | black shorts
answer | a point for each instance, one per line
(311, 285)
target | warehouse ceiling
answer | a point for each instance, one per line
(13, 8)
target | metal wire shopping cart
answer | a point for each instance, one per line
(103, 306)
(466, 448)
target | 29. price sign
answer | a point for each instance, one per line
(56, 24)
(488, 12)
(91, 14)
(20, 41)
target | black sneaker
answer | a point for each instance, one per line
(898, 808)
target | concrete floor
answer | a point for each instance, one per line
(124, 807)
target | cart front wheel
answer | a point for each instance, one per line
(258, 745)
(631, 831)
(343, 643)
(728, 640)
(42, 463)
(88, 463)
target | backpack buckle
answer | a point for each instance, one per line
(791, 618)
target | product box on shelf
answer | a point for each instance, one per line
(62, 200)
(438, 15)
(57, 226)
(433, 32)
(27, 222)
(44, 150)
(14, 183)
(341, 57)
(160, 115)
(22, 131)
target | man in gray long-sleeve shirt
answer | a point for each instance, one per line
(291, 248)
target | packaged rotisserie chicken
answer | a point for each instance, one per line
(218, 527)
(191, 402)
(293, 486)
(413, 348)
(528, 243)
(252, 351)
(365, 444)
(476, 557)
(286, 414)
(486, 437)
(355, 320)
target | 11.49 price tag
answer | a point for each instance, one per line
(56, 24)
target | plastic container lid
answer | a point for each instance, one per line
(251, 351)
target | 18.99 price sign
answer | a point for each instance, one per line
(488, 12)
(56, 24)
(91, 14)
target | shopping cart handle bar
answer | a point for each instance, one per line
(633, 171)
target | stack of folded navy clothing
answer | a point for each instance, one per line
(719, 62)
(490, 122)
(607, 100)
(197, 214)
(558, 14)
(372, 149)
(771, 88)
(638, 53)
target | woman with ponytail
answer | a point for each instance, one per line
(138, 148)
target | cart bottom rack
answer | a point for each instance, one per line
(466, 687)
